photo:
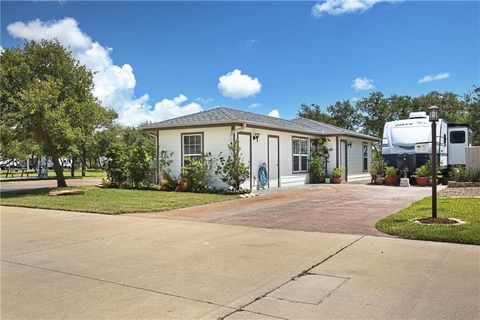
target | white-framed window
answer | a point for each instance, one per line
(300, 154)
(192, 145)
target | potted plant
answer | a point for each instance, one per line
(377, 170)
(316, 169)
(391, 176)
(422, 173)
(337, 174)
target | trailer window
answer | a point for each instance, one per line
(457, 136)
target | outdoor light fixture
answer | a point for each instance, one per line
(349, 144)
(433, 117)
(256, 136)
(433, 113)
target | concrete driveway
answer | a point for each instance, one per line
(344, 208)
(72, 265)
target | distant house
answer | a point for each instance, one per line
(283, 145)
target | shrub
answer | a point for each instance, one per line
(423, 171)
(167, 182)
(138, 165)
(337, 172)
(379, 165)
(316, 166)
(462, 174)
(115, 165)
(232, 170)
(196, 173)
(391, 171)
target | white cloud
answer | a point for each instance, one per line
(236, 85)
(114, 84)
(66, 31)
(250, 43)
(274, 113)
(337, 7)
(362, 83)
(434, 77)
(255, 105)
(204, 100)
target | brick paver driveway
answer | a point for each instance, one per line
(345, 208)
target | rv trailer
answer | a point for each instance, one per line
(407, 144)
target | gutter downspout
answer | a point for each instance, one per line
(235, 131)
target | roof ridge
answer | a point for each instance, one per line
(225, 111)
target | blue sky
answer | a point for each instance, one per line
(166, 58)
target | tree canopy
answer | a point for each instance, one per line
(369, 114)
(47, 98)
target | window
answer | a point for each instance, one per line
(365, 156)
(192, 145)
(300, 154)
(457, 136)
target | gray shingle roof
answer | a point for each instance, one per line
(222, 115)
(329, 129)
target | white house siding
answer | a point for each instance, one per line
(259, 156)
(355, 158)
(216, 140)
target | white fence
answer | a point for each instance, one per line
(472, 157)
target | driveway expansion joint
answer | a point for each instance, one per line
(301, 274)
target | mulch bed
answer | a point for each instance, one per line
(437, 221)
(466, 192)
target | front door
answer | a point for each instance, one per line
(343, 158)
(245, 140)
(273, 162)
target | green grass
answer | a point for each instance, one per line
(466, 209)
(110, 201)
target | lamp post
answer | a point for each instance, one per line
(433, 117)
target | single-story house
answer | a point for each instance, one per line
(283, 145)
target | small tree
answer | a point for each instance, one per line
(232, 170)
(197, 173)
(115, 165)
(138, 165)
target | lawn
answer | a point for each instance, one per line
(110, 201)
(466, 209)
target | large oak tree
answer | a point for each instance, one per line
(47, 97)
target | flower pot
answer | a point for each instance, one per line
(327, 180)
(336, 180)
(422, 181)
(379, 180)
(390, 180)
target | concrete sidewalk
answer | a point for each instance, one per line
(85, 266)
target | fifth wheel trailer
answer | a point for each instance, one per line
(407, 144)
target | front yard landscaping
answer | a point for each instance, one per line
(467, 209)
(109, 200)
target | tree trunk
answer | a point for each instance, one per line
(72, 168)
(59, 171)
(84, 162)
